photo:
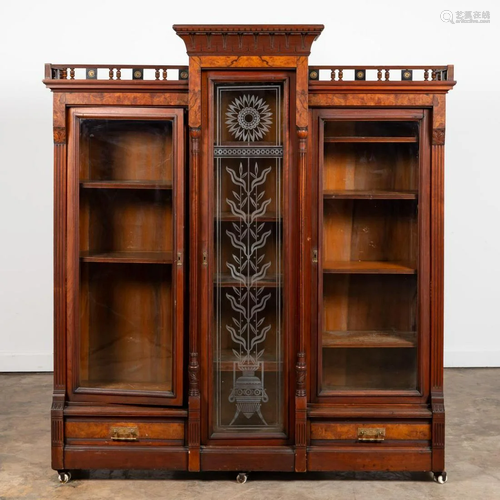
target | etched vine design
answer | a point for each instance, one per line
(248, 331)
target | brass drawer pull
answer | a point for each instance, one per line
(124, 433)
(372, 434)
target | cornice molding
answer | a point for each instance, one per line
(249, 39)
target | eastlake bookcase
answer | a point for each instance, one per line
(248, 260)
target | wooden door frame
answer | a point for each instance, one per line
(290, 255)
(317, 119)
(74, 392)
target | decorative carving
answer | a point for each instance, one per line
(302, 133)
(193, 369)
(438, 135)
(195, 134)
(301, 374)
(246, 39)
(57, 406)
(59, 135)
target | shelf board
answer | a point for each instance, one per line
(230, 217)
(361, 194)
(126, 386)
(369, 139)
(367, 267)
(128, 257)
(102, 184)
(226, 280)
(368, 339)
(228, 358)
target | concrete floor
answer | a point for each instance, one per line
(473, 457)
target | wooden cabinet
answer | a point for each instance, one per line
(248, 260)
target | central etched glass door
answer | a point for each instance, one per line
(247, 345)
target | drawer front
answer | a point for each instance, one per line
(370, 432)
(112, 431)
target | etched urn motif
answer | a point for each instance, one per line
(249, 394)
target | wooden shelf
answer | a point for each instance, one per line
(230, 217)
(360, 194)
(93, 184)
(127, 386)
(367, 267)
(369, 139)
(128, 257)
(368, 339)
(226, 280)
(226, 363)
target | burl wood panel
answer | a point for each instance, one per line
(349, 431)
(93, 429)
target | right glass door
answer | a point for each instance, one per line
(369, 251)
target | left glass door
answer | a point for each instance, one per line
(126, 250)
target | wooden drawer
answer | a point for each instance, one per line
(112, 431)
(374, 432)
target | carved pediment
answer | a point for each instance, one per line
(280, 39)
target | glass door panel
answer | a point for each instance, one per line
(247, 344)
(128, 206)
(369, 255)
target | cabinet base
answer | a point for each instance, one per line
(226, 458)
(387, 459)
(143, 457)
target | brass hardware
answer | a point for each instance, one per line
(124, 433)
(138, 74)
(372, 434)
(313, 75)
(315, 256)
(183, 75)
(205, 261)
(91, 74)
(179, 259)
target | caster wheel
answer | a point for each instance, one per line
(64, 477)
(241, 478)
(440, 477)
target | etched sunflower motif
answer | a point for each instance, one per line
(249, 118)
